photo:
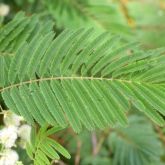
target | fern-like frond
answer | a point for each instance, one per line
(42, 149)
(137, 144)
(84, 79)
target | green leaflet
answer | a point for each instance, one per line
(51, 52)
(4, 67)
(19, 103)
(146, 107)
(116, 53)
(99, 121)
(2, 75)
(75, 49)
(118, 112)
(81, 58)
(10, 102)
(66, 105)
(49, 151)
(58, 147)
(105, 103)
(31, 104)
(42, 148)
(13, 35)
(100, 51)
(77, 102)
(97, 97)
(63, 49)
(8, 28)
(38, 99)
(16, 62)
(38, 54)
(52, 103)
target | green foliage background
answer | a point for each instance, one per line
(142, 142)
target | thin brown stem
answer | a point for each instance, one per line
(78, 153)
(101, 140)
(161, 134)
(94, 143)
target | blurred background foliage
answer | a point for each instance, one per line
(142, 143)
(140, 19)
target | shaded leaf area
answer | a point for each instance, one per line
(102, 15)
(130, 148)
(82, 78)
